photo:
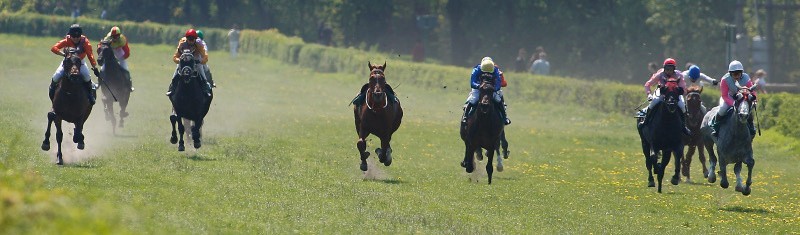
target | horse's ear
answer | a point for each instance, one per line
(384, 65)
(370, 65)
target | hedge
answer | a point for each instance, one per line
(778, 110)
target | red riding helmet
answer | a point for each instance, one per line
(670, 61)
(191, 33)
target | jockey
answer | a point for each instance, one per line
(660, 78)
(200, 39)
(361, 96)
(189, 41)
(77, 40)
(119, 44)
(693, 73)
(728, 91)
(486, 66)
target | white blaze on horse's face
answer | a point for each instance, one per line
(744, 110)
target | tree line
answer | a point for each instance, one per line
(609, 39)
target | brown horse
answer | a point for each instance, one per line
(483, 127)
(115, 83)
(695, 113)
(380, 116)
(70, 104)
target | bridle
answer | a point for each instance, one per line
(375, 74)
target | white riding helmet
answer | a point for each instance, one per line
(735, 66)
(487, 65)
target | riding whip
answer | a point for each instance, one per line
(104, 83)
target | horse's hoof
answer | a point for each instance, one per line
(739, 188)
(499, 168)
(388, 161)
(746, 191)
(363, 166)
(675, 180)
(712, 178)
(123, 114)
(651, 184)
(45, 146)
(724, 184)
(197, 144)
(181, 148)
(173, 140)
(81, 146)
(59, 159)
(470, 168)
(505, 154)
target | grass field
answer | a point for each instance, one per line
(279, 156)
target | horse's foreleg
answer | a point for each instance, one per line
(723, 172)
(362, 150)
(648, 162)
(737, 171)
(78, 137)
(750, 164)
(489, 167)
(712, 163)
(499, 161)
(469, 158)
(174, 138)
(196, 127)
(686, 162)
(46, 143)
(386, 151)
(676, 178)
(702, 157)
(504, 143)
(181, 131)
(59, 138)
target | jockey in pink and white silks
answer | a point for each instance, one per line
(660, 78)
(486, 66)
(729, 90)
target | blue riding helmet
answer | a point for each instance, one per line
(694, 72)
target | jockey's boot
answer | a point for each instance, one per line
(505, 113)
(172, 85)
(130, 81)
(685, 129)
(715, 125)
(52, 90)
(89, 87)
(207, 89)
(358, 100)
(467, 111)
(211, 79)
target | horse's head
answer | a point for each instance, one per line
(186, 66)
(72, 64)
(743, 103)
(672, 93)
(693, 99)
(486, 90)
(377, 99)
(103, 53)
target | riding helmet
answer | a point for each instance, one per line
(735, 66)
(190, 33)
(75, 30)
(694, 72)
(670, 62)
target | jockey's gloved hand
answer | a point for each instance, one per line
(738, 96)
(714, 82)
(96, 72)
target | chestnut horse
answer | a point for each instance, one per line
(115, 84)
(695, 113)
(483, 128)
(70, 103)
(380, 116)
(189, 101)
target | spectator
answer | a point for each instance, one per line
(761, 81)
(653, 67)
(324, 34)
(103, 14)
(59, 9)
(521, 63)
(76, 10)
(535, 55)
(418, 53)
(541, 66)
(233, 40)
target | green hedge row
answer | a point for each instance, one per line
(779, 111)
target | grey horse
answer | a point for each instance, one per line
(734, 145)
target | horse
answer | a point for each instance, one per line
(379, 116)
(504, 144)
(483, 127)
(695, 113)
(116, 85)
(663, 134)
(734, 144)
(70, 103)
(189, 102)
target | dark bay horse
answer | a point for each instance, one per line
(379, 116)
(663, 135)
(504, 145)
(734, 144)
(483, 127)
(114, 83)
(695, 113)
(189, 101)
(70, 103)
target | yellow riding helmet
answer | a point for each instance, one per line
(487, 65)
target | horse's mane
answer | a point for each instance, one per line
(694, 89)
